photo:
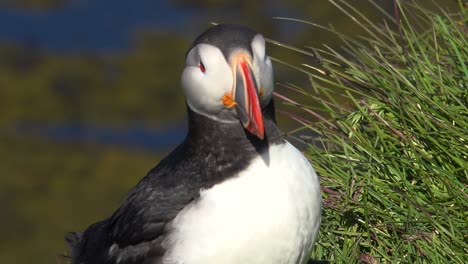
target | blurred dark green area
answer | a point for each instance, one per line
(90, 100)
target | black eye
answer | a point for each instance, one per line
(202, 67)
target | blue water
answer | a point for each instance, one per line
(105, 26)
(133, 136)
(102, 25)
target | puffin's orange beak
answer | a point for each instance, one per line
(246, 97)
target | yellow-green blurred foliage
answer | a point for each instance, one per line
(47, 189)
(40, 86)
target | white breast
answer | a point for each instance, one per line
(269, 214)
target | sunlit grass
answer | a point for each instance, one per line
(393, 162)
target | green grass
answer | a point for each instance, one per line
(390, 111)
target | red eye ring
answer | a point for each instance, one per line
(202, 67)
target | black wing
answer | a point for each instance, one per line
(137, 228)
(133, 234)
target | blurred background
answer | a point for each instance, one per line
(90, 99)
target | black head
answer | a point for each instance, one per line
(227, 38)
(228, 76)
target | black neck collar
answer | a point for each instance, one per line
(204, 131)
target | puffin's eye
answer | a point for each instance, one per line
(202, 67)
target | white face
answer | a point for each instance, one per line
(208, 77)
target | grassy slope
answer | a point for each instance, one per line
(393, 162)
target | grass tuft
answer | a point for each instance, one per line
(390, 111)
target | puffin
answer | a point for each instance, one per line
(235, 191)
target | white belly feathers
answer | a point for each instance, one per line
(269, 214)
